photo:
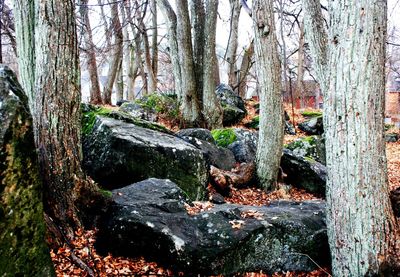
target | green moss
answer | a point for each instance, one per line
(311, 113)
(388, 126)
(23, 251)
(164, 104)
(89, 117)
(224, 137)
(255, 122)
(106, 193)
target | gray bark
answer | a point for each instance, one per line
(300, 68)
(231, 49)
(268, 71)
(117, 54)
(361, 225)
(245, 66)
(212, 110)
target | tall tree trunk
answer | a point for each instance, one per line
(300, 68)
(231, 49)
(154, 38)
(117, 54)
(212, 109)
(268, 68)
(361, 225)
(171, 20)
(190, 104)
(89, 50)
(245, 66)
(119, 83)
(49, 67)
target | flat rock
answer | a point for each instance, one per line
(117, 153)
(149, 218)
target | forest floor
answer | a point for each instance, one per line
(83, 245)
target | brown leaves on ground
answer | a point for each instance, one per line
(393, 158)
(82, 247)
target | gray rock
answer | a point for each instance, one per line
(233, 105)
(304, 172)
(313, 126)
(149, 218)
(245, 147)
(138, 111)
(117, 153)
(391, 137)
(312, 147)
(217, 156)
(198, 133)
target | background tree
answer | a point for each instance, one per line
(350, 65)
(268, 70)
(49, 71)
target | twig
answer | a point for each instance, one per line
(313, 262)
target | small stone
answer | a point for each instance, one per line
(217, 198)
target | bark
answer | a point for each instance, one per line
(117, 54)
(245, 66)
(49, 68)
(119, 84)
(212, 110)
(231, 49)
(23, 249)
(361, 226)
(283, 47)
(154, 38)
(268, 68)
(300, 68)
(89, 50)
(190, 104)
(171, 20)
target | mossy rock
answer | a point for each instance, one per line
(90, 112)
(311, 148)
(165, 104)
(224, 137)
(311, 113)
(254, 123)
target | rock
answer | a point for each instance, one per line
(391, 137)
(304, 172)
(214, 155)
(120, 102)
(23, 249)
(139, 111)
(395, 200)
(289, 128)
(232, 104)
(245, 146)
(313, 126)
(217, 198)
(198, 133)
(312, 147)
(149, 219)
(255, 122)
(117, 153)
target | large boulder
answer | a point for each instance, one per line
(149, 219)
(304, 172)
(136, 110)
(23, 249)
(117, 153)
(232, 104)
(313, 126)
(311, 147)
(214, 155)
(199, 133)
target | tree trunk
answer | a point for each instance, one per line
(49, 68)
(268, 68)
(300, 68)
(117, 54)
(231, 49)
(360, 221)
(212, 110)
(154, 38)
(190, 104)
(245, 66)
(89, 50)
(23, 249)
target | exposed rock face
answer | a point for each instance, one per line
(245, 147)
(149, 218)
(23, 250)
(391, 137)
(117, 153)
(313, 126)
(138, 111)
(304, 172)
(198, 133)
(214, 155)
(232, 104)
(312, 147)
